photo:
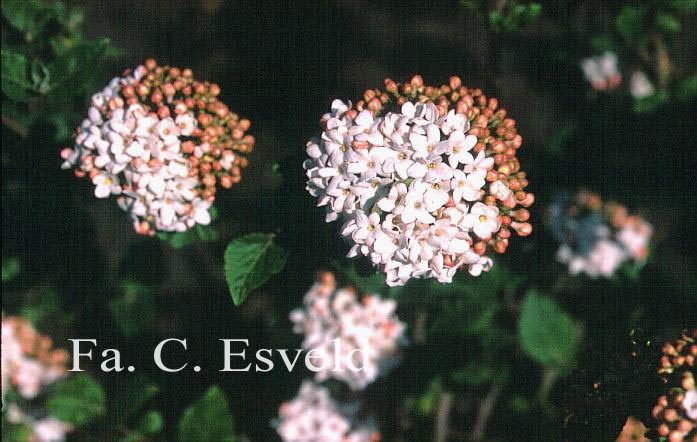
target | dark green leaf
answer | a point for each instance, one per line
(629, 22)
(685, 5)
(135, 310)
(208, 419)
(667, 23)
(687, 89)
(151, 423)
(250, 261)
(547, 334)
(77, 400)
(15, 76)
(10, 269)
(28, 16)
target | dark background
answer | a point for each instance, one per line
(281, 64)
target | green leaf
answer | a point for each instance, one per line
(151, 423)
(15, 76)
(685, 5)
(250, 261)
(77, 400)
(650, 103)
(534, 10)
(10, 269)
(629, 22)
(547, 334)
(667, 23)
(135, 310)
(208, 419)
(687, 89)
(28, 16)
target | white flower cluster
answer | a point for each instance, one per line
(602, 71)
(313, 416)
(409, 188)
(130, 152)
(28, 374)
(361, 335)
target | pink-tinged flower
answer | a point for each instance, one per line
(314, 416)
(29, 367)
(142, 137)
(356, 339)
(405, 161)
(482, 219)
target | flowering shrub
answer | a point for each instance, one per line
(160, 141)
(597, 237)
(426, 179)
(29, 366)
(369, 332)
(314, 416)
(676, 410)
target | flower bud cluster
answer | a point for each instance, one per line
(355, 340)
(602, 72)
(160, 141)
(29, 365)
(313, 416)
(676, 411)
(426, 179)
(597, 237)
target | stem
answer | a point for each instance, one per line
(15, 127)
(445, 404)
(485, 411)
(549, 377)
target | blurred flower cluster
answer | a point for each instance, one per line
(597, 237)
(367, 332)
(676, 410)
(602, 71)
(160, 141)
(313, 416)
(426, 178)
(30, 365)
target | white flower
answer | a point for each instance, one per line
(105, 185)
(50, 430)
(186, 124)
(640, 86)
(414, 205)
(313, 416)
(458, 149)
(466, 187)
(482, 219)
(602, 71)
(689, 404)
(368, 333)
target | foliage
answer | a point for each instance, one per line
(207, 419)
(48, 68)
(250, 261)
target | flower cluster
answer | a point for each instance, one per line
(597, 237)
(160, 141)
(426, 179)
(365, 334)
(602, 72)
(313, 416)
(29, 364)
(640, 86)
(676, 411)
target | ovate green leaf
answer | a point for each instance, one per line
(250, 261)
